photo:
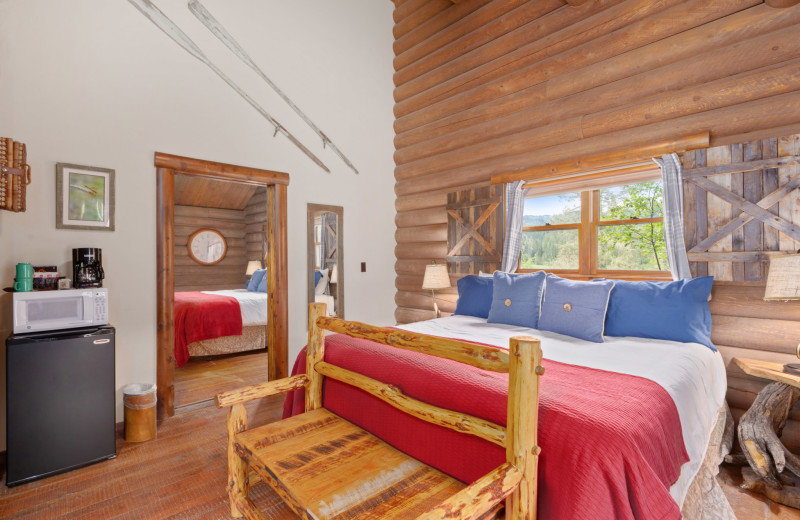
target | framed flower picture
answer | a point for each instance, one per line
(84, 197)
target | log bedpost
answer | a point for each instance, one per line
(315, 352)
(522, 450)
(238, 485)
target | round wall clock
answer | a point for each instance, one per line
(207, 246)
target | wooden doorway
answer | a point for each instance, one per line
(167, 166)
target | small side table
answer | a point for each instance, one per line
(759, 434)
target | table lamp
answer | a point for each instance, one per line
(436, 277)
(783, 283)
(252, 267)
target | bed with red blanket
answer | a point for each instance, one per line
(624, 425)
(218, 322)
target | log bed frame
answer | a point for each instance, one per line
(267, 449)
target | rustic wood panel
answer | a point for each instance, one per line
(211, 193)
(475, 226)
(255, 218)
(229, 273)
(720, 226)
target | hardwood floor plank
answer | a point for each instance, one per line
(200, 379)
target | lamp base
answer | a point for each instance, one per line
(792, 368)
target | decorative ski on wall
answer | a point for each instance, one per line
(161, 20)
(224, 36)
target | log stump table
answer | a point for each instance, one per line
(759, 432)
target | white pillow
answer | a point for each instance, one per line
(485, 275)
(322, 285)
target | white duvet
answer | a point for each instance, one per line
(692, 374)
(253, 305)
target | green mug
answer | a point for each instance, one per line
(24, 279)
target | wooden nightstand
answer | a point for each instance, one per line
(759, 434)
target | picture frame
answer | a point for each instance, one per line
(85, 197)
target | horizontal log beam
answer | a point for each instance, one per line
(616, 157)
(259, 391)
(460, 422)
(763, 164)
(486, 358)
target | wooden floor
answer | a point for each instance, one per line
(751, 506)
(181, 476)
(200, 379)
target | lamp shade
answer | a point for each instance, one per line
(252, 266)
(783, 281)
(436, 277)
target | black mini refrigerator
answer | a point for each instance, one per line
(60, 402)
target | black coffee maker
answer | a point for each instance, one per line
(87, 267)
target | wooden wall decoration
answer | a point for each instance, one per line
(746, 207)
(742, 204)
(475, 224)
(487, 87)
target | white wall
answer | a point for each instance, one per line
(95, 83)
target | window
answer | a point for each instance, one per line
(616, 231)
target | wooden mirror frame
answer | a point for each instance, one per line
(278, 318)
(312, 212)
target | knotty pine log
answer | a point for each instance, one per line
(761, 114)
(508, 47)
(426, 9)
(421, 217)
(755, 333)
(393, 396)
(412, 283)
(764, 82)
(431, 199)
(525, 46)
(484, 357)
(260, 391)
(406, 9)
(315, 353)
(411, 266)
(427, 233)
(238, 483)
(522, 449)
(465, 30)
(679, 18)
(436, 24)
(420, 250)
(424, 300)
(689, 47)
(407, 315)
(524, 111)
(781, 3)
(473, 501)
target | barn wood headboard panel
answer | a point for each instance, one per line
(733, 223)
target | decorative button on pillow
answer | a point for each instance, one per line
(516, 299)
(576, 309)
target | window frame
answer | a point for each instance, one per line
(588, 241)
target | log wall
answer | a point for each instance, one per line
(491, 87)
(487, 87)
(255, 217)
(227, 274)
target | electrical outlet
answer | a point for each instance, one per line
(363, 267)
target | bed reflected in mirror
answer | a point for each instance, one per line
(325, 257)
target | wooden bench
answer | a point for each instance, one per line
(324, 466)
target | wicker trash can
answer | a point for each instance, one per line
(140, 412)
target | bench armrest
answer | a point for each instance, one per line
(261, 390)
(475, 500)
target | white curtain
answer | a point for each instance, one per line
(672, 177)
(515, 205)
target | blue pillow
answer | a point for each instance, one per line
(317, 277)
(676, 311)
(516, 299)
(258, 275)
(474, 296)
(262, 285)
(577, 309)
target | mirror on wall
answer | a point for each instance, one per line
(325, 258)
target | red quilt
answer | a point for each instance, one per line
(200, 316)
(611, 443)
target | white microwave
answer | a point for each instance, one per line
(39, 311)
